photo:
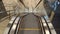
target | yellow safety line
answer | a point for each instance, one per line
(29, 29)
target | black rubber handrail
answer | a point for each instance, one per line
(16, 30)
(11, 26)
(41, 23)
(17, 26)
(43, 26)
(47, 25)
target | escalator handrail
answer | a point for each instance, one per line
(17, 27)
(50, 26)
(45, 27)
(40, 23)
(11, 25)
(8, 28)
(42, 26)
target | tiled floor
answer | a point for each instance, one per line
(3, 25)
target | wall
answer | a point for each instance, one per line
(29, 3)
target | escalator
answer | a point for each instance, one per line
(30, 25)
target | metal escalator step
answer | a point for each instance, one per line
(30, 25)
(30, 32)
(30, 21)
